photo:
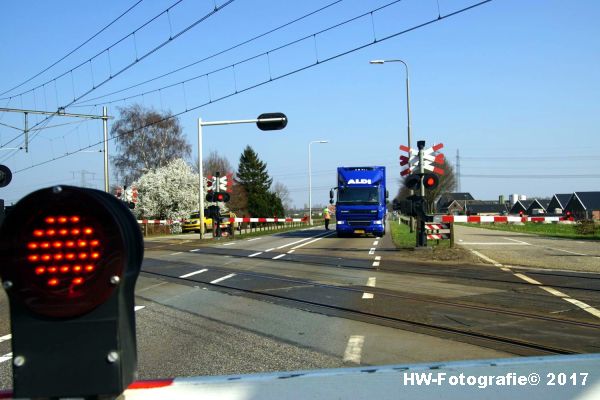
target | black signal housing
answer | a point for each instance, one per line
(70, 258)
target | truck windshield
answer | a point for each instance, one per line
(362, 195)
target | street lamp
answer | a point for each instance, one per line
(407, 92)
(310, 181)
(407, 110)
(264, 122)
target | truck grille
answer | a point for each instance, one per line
(359, 223)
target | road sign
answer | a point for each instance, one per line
(429, 159)
(438, 231)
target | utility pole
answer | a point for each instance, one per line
(83, 174)
(457, 171)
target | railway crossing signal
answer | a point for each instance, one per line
(69, 260)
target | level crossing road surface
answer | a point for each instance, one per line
(307, 299)
(520, 249)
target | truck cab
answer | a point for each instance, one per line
(361, 201)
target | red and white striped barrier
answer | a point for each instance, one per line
(246, 219)
(495, 218)
(155, 221)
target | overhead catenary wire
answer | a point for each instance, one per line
(137, 60)
(74, 50)
(285, 25)
(297, 70)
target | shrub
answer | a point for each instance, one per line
(586, 227)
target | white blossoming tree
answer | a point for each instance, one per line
(169, 192)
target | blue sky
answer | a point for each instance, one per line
(513, 85)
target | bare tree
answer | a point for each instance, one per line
(146, 139)
(283, 193)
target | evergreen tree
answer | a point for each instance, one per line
(253, 177)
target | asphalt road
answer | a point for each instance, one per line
(307, 299)
(519, 249)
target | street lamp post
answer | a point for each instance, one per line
(407, 110)
(264, 122)
(310, 181)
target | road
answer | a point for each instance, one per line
(307, 299)
(519, 249)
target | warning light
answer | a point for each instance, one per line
(431, 181)
(69, 259)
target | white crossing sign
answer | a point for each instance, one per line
(429, 158)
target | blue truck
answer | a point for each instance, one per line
(361, 201)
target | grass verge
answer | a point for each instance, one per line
(404, 239)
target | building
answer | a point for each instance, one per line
(481, 207)
(584, 205)
(558, 203)
(452, 203)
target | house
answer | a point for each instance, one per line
(584, 205)
(452, 203)
(479, 207)
(537, 207)
(520, 206)
(558, 203)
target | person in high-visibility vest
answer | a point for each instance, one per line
(327, 217)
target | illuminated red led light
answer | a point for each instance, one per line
(50, 220)
(83, 256)
(33, 257)
(51, 232)
(95, 256)
(46, 257)
(76, 268)
(82, 243)
(70, 243)
(64, 269)
(94, 243)
(57, 245)
(77, 281)
(45, 245)
(70, 256)
(32, 245)
(74, 219)
(38, 233)
(75, 232)
(63, 232)
(89, 268)
(52, 269)
(88, 231)
(58, 256)
(53, 282)
(62, 220)
(40, 270)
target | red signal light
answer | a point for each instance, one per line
(62, 220)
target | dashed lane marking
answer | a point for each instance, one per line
(371, 283)
(375, 264)
(268, 250)
(354, 347)
(174, 254)
(584, 306)
(518, 241)
(138, 308)
(375, 243)
(291, 251)
(194, 273)
(5, 358)
(372, 251)
(5, 338)
(377, 258)
(223, 278)
(229, 244)
(314, 240)
(255, 254)
(279, 256)
(367, 295)
(251, 240)
(567, 251)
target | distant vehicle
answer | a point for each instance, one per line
(361, 201)
(192, 224)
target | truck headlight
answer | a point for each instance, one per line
(341, 222)
(377, 222)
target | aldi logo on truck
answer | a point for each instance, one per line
(359, 182)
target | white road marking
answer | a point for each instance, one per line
(312, 241)
(268, 250)
(278, 257)
(505, 269)
(371, 281)
(584, 306)
(372, 251)
(174, 254)
(223, 278)
(301, 240)
(138, 308)
(368, 295)
(291, 251)
(5, 357)
(496, 243)
(567, 251)
(375, 243)
(250, 240)
(194, 250)
(5, 338)
(377, 258)
(255, 254)
(229, 244)
(518, 241)
(194, 273)
(375, 264)
(527, 279)
(354, 349)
